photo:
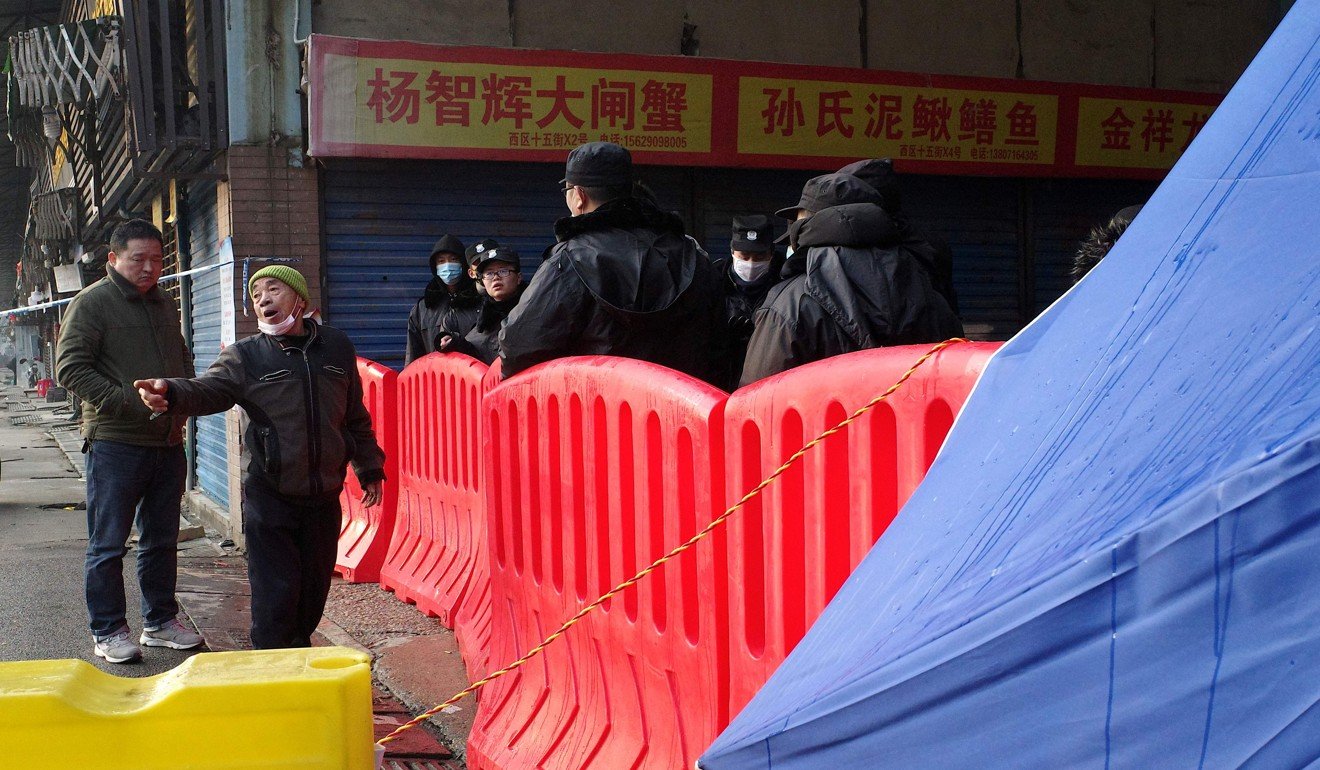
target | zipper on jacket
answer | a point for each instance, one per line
(313, 423)
(160, 355)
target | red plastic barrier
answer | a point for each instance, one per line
(472, 621)
(439, 532)
(364, 535)
(792, 548)
(594, 467)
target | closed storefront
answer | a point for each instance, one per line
(208, 454)
(1011, 174)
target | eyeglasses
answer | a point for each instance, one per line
(566, 188)
(503, 272)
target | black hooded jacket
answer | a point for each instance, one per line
(438, 313)
(482, 342)
(852, 284)
(624, 280)
(741, 300)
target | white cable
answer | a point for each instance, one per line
(163, 278)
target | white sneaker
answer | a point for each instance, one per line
(117, 647)
(173, 634)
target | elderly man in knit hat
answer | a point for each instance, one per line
(297, 381)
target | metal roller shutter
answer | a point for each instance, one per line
(1063, 213)
(211, 460)
(726, 193)
(382, 217)
(977, 216)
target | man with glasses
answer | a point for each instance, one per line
(120, 329)
(623, 280)
(498, 270)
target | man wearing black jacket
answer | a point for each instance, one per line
(449, 305)
(623, 279)
(297, 381)
(746, 277)
(850, 283)
(930, 250)
(498, 270)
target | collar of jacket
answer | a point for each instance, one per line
(494, 312)
(313, 335)
(437, 293)
(130, 291)
(623, 214)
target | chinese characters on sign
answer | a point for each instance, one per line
(489, 106)
(852, 120)
(1136, 134)
(390, 99)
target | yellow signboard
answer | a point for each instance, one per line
(1127, 133)
(852, 120)
(396, 99)
(409, 103)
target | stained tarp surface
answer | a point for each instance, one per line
(1115, 560)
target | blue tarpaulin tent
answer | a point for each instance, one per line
(1115, 560)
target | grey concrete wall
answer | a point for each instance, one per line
(1088, 42)
(818, 32)
(970, 39)
(1200, 45)
(1204, 45)
(614, 26)
(443, 22)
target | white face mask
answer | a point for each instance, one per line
(280, 328)
(750, 271)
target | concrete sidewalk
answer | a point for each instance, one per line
(43, 534)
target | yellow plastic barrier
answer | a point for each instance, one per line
(286, 709)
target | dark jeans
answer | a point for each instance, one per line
(125, 482)
(291, 548)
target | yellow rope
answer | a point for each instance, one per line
(709, 528)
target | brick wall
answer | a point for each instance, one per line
(273, 211)
(270, 209)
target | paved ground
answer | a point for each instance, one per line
(43, 534)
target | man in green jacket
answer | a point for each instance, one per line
(120, 329)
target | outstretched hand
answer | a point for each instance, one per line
(153, 393)
(371, 495)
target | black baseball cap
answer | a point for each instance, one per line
(753, 232)
(496, 253)
(598, 164)
(477, 251)
(828, 190)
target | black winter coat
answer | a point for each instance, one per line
(306, 420)
(483, 341)
(623, 280)
(853, 283)
(740, 303)
(439, 313)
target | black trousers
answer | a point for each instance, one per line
(291, 548)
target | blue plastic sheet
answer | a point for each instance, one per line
(1115, 560)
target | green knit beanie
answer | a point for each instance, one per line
(285, 274)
